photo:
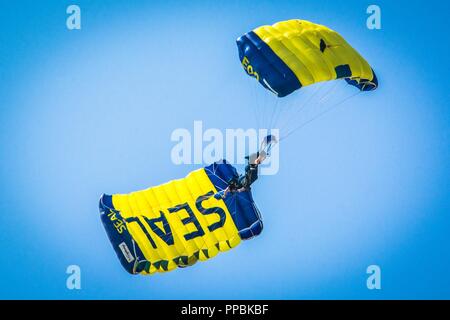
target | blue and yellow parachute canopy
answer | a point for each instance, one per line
(291, 54)
(180, 222)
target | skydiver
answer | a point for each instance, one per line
(251, 169)
(253, 161)
(244, 181)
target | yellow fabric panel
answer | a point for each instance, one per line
(297, 43)
(151, 202)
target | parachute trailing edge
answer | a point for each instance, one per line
(295, 53)
(180, 222)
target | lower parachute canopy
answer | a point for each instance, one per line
(295, 53)
(180, 222)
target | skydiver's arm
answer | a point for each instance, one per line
(251, 170)
(251, 175)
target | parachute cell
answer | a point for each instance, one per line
(291, 54)
(180, 222)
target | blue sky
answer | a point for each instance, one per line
(90, 111)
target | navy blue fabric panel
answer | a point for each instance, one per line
(247, 217)
(121, 242)
(267, 64)
(343, 71)
(364, 84)
(220, 173)
(244, 212)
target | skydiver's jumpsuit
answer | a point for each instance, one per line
(250, 176)
(244, 181)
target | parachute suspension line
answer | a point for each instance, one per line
(258, 105)
(219, 189)
(320, 115)
(280, 110)
(329, 92)
(267, 108)
(317, 104)
(235, 193)
(254, 104)
(313, 108)
(302, 106)
(275, 111)
(283, 109)
(261, 106)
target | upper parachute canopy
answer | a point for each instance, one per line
(179, 222)
(291, 54)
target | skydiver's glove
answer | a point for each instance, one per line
(256, 158)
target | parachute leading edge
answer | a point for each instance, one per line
(180, 222)
(291, 54)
